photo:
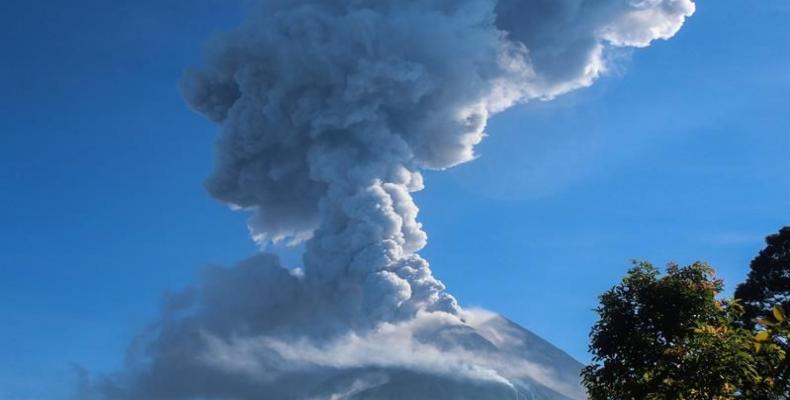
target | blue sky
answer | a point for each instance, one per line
(679, 154)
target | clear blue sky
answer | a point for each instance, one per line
(680, 154)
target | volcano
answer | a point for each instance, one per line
(328, 112)
(494, 335)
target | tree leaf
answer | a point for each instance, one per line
(779, 314)
(762, 336)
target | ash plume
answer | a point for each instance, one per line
(327, 111)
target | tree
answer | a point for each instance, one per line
(768, 283)
(669, 338)
(766, 297)
(774, 332)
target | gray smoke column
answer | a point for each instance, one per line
(327, 111)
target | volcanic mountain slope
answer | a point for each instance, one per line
(220, 341)
(554, 375)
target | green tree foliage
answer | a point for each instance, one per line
(768, 284)
(766, 297)
(772, 335)
(669, 338)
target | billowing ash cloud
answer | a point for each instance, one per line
(327, 111)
